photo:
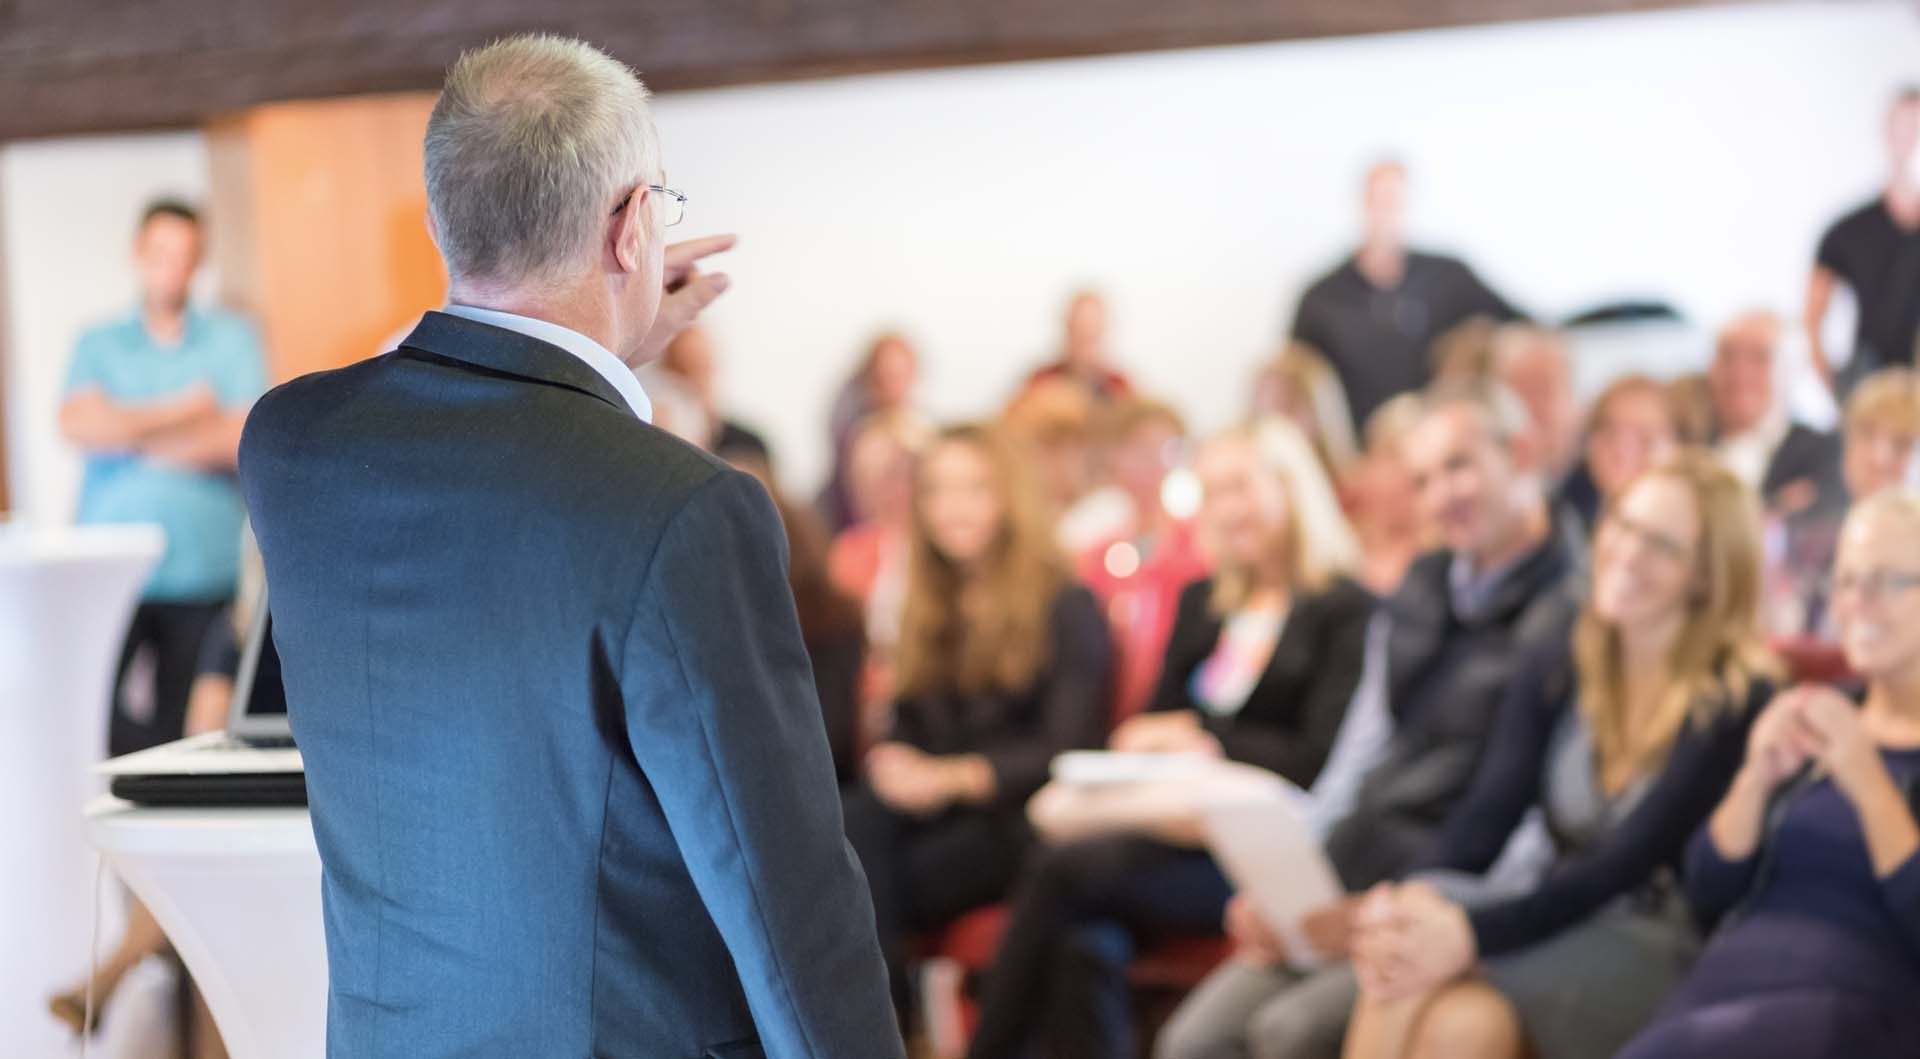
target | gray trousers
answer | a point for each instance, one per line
(1243, 1011)
(1581, 994)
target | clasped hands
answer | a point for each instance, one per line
(1402, 939)
(1813, 724)
(916, 783)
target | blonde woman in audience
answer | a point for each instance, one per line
(1811, 863)
(1879, 437)
(1301, 387)
(1261, 664)
(1380, 496)
(1624, 738)
(1003, 663)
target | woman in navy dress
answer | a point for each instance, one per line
(1811, 863)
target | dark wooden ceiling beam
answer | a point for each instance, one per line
(93, 65)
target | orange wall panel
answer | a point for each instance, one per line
(322, 233)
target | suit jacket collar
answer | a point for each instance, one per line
(509, 352)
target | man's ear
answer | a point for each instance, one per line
(628, 231)
(433, 232)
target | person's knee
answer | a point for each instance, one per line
(1301, 1024)
(1468, 1022)
(1194, 1033)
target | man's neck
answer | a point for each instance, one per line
(1382, 262)
(1902, 200)
(165, 323)
(575, 312)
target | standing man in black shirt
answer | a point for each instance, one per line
(1375, 315)
(1875, 251)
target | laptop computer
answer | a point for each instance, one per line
(252, 762)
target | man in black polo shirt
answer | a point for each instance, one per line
(1875, 252)
(1374, 316)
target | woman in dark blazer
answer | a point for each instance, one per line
(1003, 663)
(1263, 659)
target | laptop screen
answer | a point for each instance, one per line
(259, 698)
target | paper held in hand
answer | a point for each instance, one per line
(1255, 824)
(1264, 844)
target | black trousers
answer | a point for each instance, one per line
(155, 674)
(1080, 911)
(927, 873)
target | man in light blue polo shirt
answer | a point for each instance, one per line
(156, 399)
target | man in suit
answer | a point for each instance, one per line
(1792, 466)
(568, 776)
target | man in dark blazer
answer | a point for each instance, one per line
(1792, 466)
(567, 771)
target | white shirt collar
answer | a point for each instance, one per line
(1747, 454)
(597, 356)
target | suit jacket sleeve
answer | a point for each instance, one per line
(724, 722)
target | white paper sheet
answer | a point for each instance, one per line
(1261, 838)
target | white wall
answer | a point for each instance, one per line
(1693, 155)
(67, 213)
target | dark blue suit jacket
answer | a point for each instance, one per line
(567, 769)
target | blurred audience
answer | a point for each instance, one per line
(882, 389)
(1138, 574)
(1263, 659)
(1692, 396)
(1004, 663)
(1793, 466)
(1379, 493)
(1874, 252)
(1624, 737)
(1375, 315)
(1301, 387)
(1439, 660)
(1633, 425)
(1532, 362)
(868, 560)
(833, 628)
(1880, 430)
(1083, 358)
(1059, 426)
(689, 361)
(1811, 863)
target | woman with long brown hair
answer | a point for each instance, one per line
(1624, 739)
(1004, 662)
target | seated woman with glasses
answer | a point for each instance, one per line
(1624, 738)
(1003, 663)
(1261, 664)
(1811, 864)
